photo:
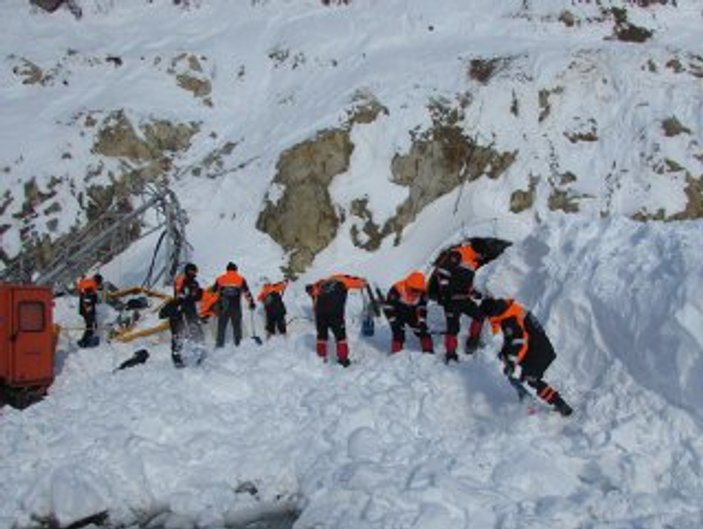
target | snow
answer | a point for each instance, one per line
(402, 440)
(393, 441)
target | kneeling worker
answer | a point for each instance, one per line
(406, 304)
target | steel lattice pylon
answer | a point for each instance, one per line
(112, 232)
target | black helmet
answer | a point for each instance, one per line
(98, 279)
(232, 267)
(190, 268)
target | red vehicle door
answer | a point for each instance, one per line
(32, 357)
(5, 322)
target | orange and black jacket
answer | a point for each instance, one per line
(187, 292)
(231, 286)
(87, 289)
(454, 273)
(271, 296)
(524, 341)
(330, 294)
(400, 299)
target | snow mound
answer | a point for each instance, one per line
(403, 440)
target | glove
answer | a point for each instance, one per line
(252, 306)
(422, 327)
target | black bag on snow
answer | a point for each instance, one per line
(140, 302)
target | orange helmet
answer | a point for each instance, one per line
(416, 281)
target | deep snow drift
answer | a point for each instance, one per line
(403, 440)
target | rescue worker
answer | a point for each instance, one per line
(185, 320)
(87, 288)
(406, 304)
(230, 286)
(453, 279)
(329, 297)
(526, 352)
(271, 296)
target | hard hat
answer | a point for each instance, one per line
(416, 281)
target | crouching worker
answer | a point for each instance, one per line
(208, 305)
(329, 297)
(526, 352)
(271, 296)
(406, 304)
(87, 288)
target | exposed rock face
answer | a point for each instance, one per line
(370, 236)
(441, 159)
(303, 220)
(522, 200)
(31, 73)
(366, 108)
(47, 5)
(436, 165)
(191, 76)
(118, 138)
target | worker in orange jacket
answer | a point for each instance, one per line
(185, 321)
(230, 286)
(526, 352)
(329, 297)
(406, 304)
(271, 296)
(451, 284)
(87, 288)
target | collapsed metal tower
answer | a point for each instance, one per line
(112, 232)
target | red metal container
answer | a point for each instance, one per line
(26, 337)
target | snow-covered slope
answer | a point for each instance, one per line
(401, 441)
(596, 124)
(613, 127)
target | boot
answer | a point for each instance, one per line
(472, 343)
(322, 349)
(474, 338)
(450, 357)
(561, 406)
(426, 344)
(396, 346)
(177, 360)
(343, 353)
(450, 344)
